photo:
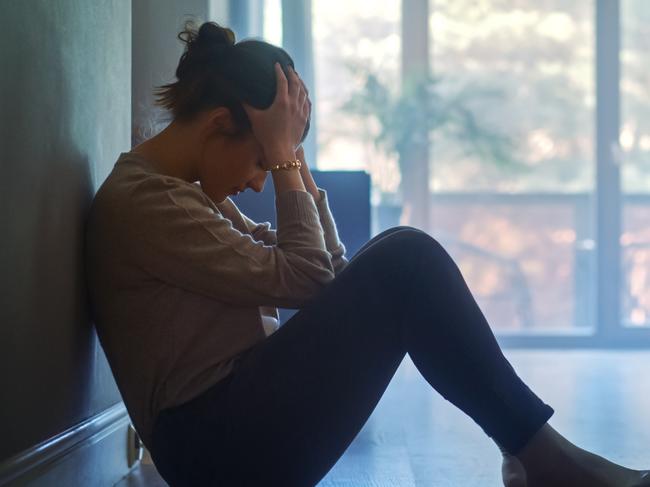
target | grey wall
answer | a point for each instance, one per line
(65, 103)
(156, 51)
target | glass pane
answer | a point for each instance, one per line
(272, 23)
(350, 35)
(635, 158)
(522, 256)
(512, 185)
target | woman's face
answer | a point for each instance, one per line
(230, 164)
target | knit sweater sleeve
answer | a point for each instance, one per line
(332, 241)
(336, 248)
(179, 238)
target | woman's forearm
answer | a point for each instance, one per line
(307, 179)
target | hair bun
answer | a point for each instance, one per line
(208, 35)
(210, 42)
(213, 33)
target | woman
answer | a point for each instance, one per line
(185, 288)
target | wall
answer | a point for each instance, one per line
(156, 51)
(65, 99)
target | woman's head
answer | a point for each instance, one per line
(215, 71)
(215, 77)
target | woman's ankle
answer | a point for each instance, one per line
(546, 447)
(549, 455)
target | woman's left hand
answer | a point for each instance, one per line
(307, 105)
(300, 155)
(307, 178)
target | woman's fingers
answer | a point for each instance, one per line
(304, 86)
(294, 83)
(284, 121)
(302, 98)
(282, 84)
(250, 110)
(304, 105)
(305, 109)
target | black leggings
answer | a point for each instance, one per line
(296, 400)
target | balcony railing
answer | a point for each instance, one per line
(529, 259)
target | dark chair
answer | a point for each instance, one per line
(348, 193)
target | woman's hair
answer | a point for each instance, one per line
(215, 71)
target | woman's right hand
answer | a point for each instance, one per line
(279, 128)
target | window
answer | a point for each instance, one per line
(635, 159)
(517, 224)
(348, 35)
(528, 187)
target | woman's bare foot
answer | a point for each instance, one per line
(550, 459)
(513, 472)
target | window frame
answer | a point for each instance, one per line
(608, 330)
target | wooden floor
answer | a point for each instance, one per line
(416, 438)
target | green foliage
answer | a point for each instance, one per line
(425, 106)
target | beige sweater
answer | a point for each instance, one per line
(179, 285)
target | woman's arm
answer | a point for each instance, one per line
(175, 236)
(332, 242)
(307, 178)
(264, 232)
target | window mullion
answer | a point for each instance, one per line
(608, 190)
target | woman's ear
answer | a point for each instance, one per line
(220, 121)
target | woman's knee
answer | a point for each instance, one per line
(388, 233)
(402, 246)
(414, 249)
(379, 237)
(400, 228)
(401, 259)
(406, 239)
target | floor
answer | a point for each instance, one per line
(416, 438)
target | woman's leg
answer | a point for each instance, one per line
(298, 399)
(382, 235)
(177, 433)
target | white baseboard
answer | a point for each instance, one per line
(92, 453)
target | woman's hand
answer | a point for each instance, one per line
(305, 173)
(300, 155)
(279, 128)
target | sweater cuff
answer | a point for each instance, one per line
(296, 205)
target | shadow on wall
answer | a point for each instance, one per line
(56, 127)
